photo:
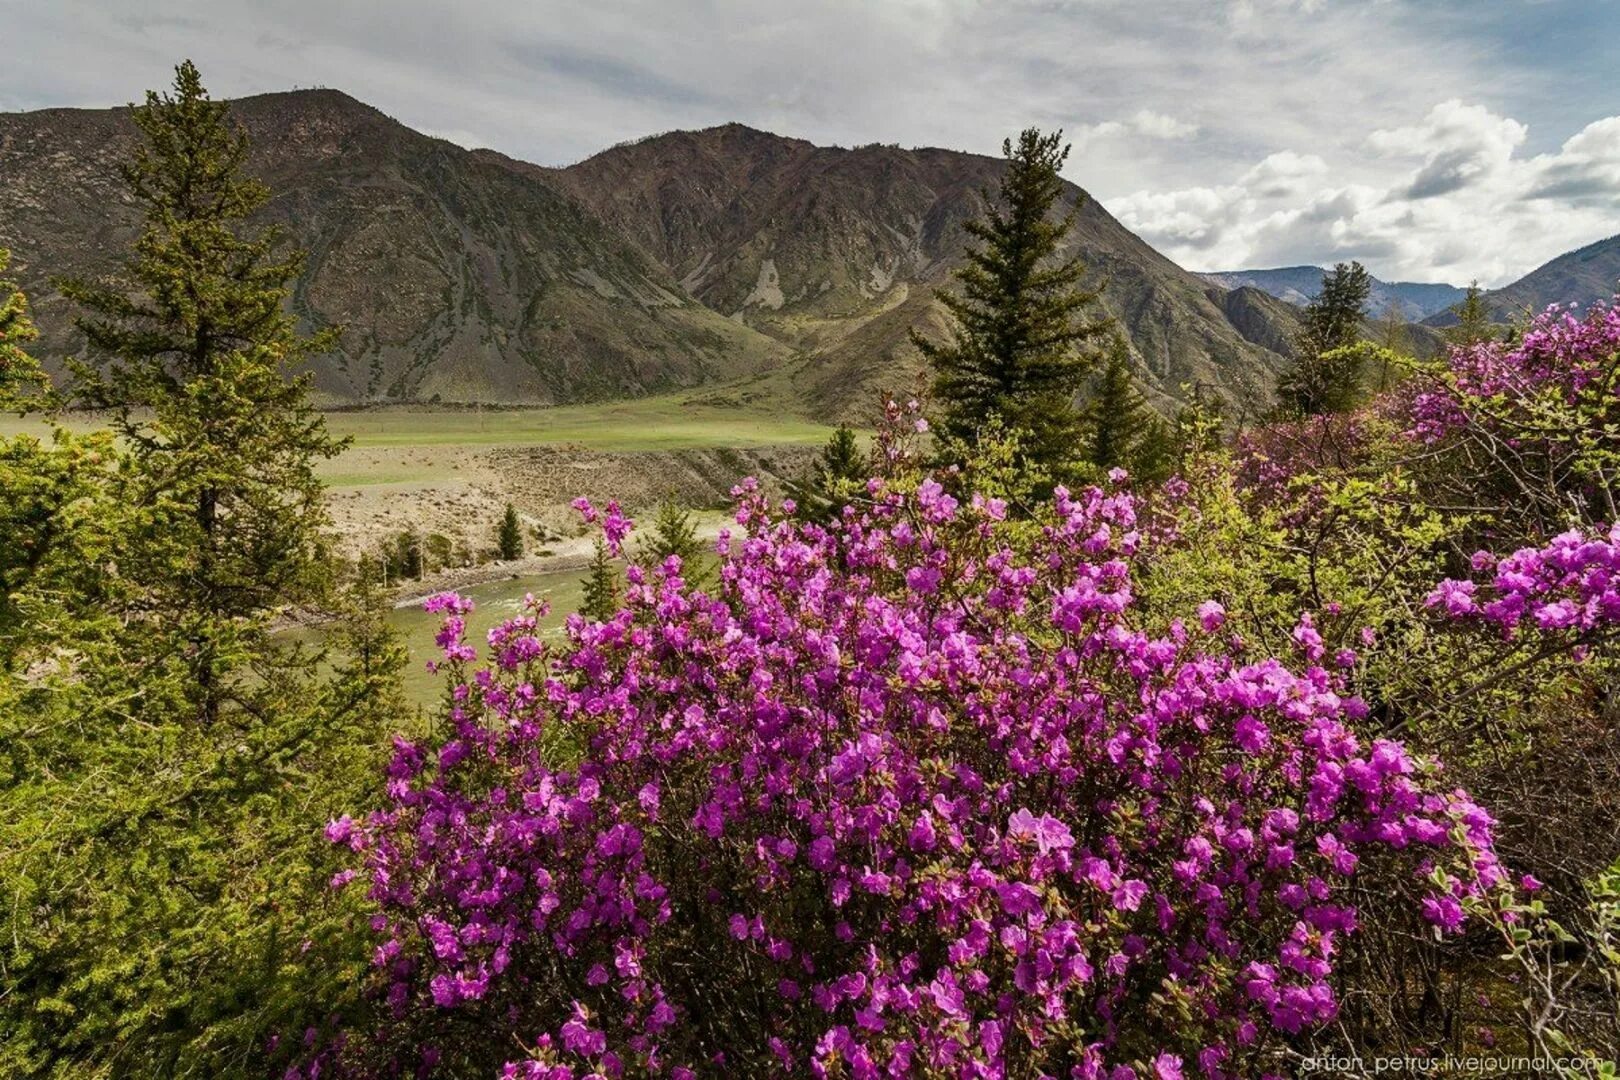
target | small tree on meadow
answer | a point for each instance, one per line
(838, 475)
(509, 537)
(1027, 330)
(601, 593)
(1326, 375)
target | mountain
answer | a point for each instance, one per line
(1298, 284)
(453, 274)
(838, 252)
(1584, 277)
(760, 267)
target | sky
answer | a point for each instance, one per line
(1434, 140)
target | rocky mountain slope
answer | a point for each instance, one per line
(838, 252)
(1298, 284)
(1584, 277)
(762, 267)
(452, 275)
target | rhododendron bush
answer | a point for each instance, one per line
(1529, 430)
(919, 794)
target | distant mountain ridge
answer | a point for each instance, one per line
(761, 266)
(1299, 284)
(1582, 277)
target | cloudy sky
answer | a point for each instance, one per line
(1432, 139)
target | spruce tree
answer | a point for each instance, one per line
(1326, 374)
(601, 593)
(20, 374)
(165, 775)
(673, 534)
(838, 475)
(509, 537)
(1473, 319)
(1026, 329)
(1118, 419)
(200, 365)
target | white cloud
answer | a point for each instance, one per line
(1457, 202)
(1226, 130)
(1459, 145)
(1145, 124)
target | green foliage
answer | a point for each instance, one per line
(1122, 430)
(20, 374)
(1326, 375)
(509, 537)
(601, 590)
(1473, 319)
(837, 478)
(1569, 972)
(673, 534)
(196, 362)
(403, 557)
(1025, 330)
(165, 762)
(58, 521)
(1199, 428)
(441, 551)
(160, 876)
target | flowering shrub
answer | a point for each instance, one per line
(1497, 382)
(909, 796)
(1530, 427)
(1572, 583)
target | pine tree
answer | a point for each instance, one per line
(838, 475)
(198, 362)
(509, 537)
(1473, 319)
(1326, 375)
(601, 599)
(1025, 329)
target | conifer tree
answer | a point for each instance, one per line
(509, 537)
(20, 374)
(1473, 318)
(200, 366)
(165, 774)
(1118, 419)
(1026, 329)
(601, 599)
(839, 474)
(372, 656)
(52, 509)
(674, 534)
(1326, 374)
